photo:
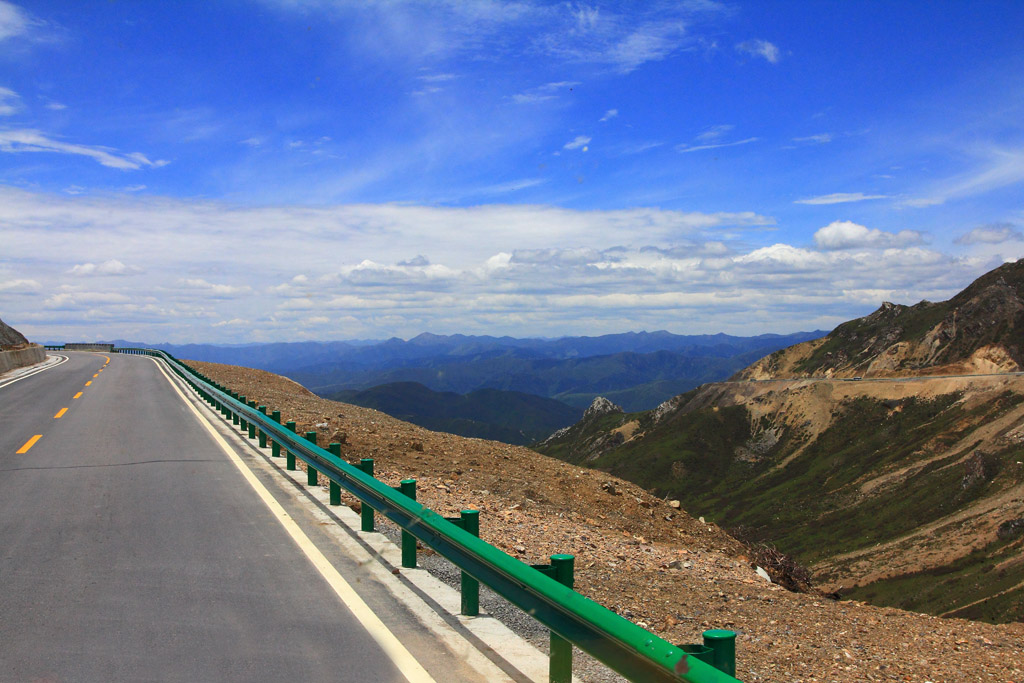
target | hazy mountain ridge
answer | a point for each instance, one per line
(909, 491)
(511, 417)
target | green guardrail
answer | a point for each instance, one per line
(539, 590)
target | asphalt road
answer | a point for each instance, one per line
(131, 549)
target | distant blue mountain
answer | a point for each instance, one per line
(637, 369)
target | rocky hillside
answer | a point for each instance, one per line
(901, 491)
(646, 558)
(981, 329)
(10, 338)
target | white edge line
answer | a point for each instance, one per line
(402, 658)
(63, 360)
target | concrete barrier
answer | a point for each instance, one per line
(19, 358)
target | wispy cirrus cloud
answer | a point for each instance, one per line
(997, 168)
(579, 142)
(28, 140)
(698, 148)
(760, 48)
(10, 102)
(840, 198)
(14, 21)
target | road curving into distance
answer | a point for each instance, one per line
(132, 548)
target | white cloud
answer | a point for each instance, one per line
(840, 198)
(13, 20)
(997, 233)
(111, 267)
(997, 168)
(819, 139)
(714, 133)
(254, 141)
(72, 300)
(212, 289)
(10, 102)
(760, 48)
(19, 286)
(56, 106)
(580, 142)
(609, 115)
(27, 140)
(517, 269)
(697, 148)
(849, 235)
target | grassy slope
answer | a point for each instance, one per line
(813, 508)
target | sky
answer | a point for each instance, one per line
(279, 170)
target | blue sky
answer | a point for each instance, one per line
(288, 169)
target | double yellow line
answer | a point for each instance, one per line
(60, 413)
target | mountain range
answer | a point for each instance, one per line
(888, 456)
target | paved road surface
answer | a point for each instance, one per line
(131, 549)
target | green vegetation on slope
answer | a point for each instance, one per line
(814, 507)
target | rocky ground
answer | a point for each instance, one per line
(644, 558)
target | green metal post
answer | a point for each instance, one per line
(723, 649)
(234, 415)
(252, 425)
(366, 465)
(560, 660)
(470, 586)
(334, 487)
(262, 434)
(243, 424)
(290, 464)
(275, 447)
(408, 487)
(311, 473)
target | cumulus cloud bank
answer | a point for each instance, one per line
(850, 235)
(372, 271)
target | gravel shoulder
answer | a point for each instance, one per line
(641, 557)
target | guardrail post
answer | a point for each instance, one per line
(290, 457)
(470, 587)
(408, 487)
(334, 487)
(262, 434)
(560, 661)
(723, 649)
(234, 415)
(366, 512)
(275, 447)
(252, 425)
(311, 473)
(243, 425)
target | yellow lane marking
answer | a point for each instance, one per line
(88, 383)
(403, 659)
(96, 375)
(76, 395)
(29, 444)
(108, 359)
(60, 413)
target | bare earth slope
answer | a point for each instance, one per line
(10, 338)
(650, 562)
